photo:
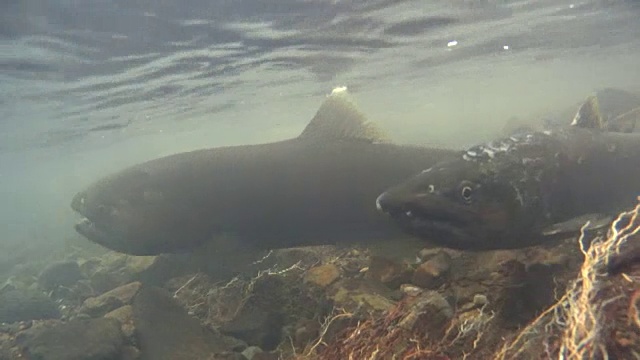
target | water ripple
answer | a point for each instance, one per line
(71, 67)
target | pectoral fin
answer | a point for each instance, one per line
(574, 225)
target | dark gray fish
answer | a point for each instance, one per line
(617, 110)
(318, 188)
(621, 119)
(613, 109)
(522, 190)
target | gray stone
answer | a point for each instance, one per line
(92, 339)
(24, 305)
(165, 331)
(111, 300)
(251, 352)
(64, 273)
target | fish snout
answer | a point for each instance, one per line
(389, 204)
(78, 202)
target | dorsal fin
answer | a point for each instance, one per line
(588, 115)
(339, 119)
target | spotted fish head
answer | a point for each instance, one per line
(482, 200)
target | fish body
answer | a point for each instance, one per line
(318, 188)
(516, 191)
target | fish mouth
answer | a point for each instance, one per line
(111, 240)
(97, 234)
(78, 203)
(92, 230)
(447, 228)
(84, 226)
(88, 229)
(439, 229)
(428, 221)
(418, 211)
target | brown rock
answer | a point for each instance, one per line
(364, 295)
(411, 290)
(323, 275)
(429, 309)
(111, 300)
(432, 273)
(113, 269)
(480, 300)
(388, 272)
(428, 253)
(98, 306)
(124, 315)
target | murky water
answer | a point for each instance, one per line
(87, 87)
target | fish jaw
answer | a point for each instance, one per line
(439, 223)
(115, 241)
(440, 232)
(443, 229)
(94, 230)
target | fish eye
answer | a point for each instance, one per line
(431, 188)
(466, 193)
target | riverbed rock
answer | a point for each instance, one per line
(26, 304)
(63, 273)
(79, 339)
(433, 272)
(165, 331)
(362, 295)
(114, 269)
(390, 272)
(430, 310)
(111, 300)
(262, 315)
(124, 315)
(322, 275)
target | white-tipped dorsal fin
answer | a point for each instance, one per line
(588, 115)
(339, 119)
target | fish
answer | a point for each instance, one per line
(617, 110)
(522, 190)
(315, 189)
(611, 109)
